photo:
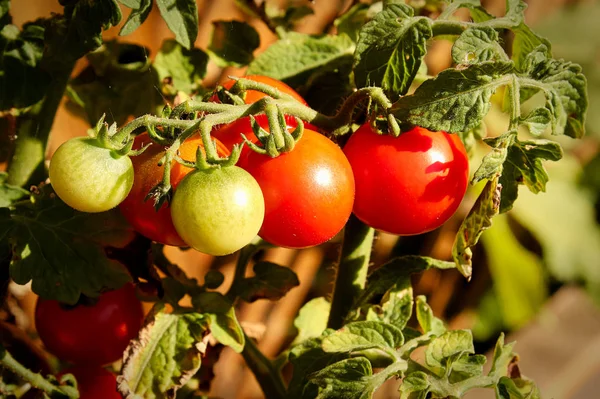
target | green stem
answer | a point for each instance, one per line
(26, 167)
(264, 370)
(240, 267)
(452, 28)
(351, 271)
(35, 379)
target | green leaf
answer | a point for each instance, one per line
(449, 344)
(63, 251)
(525, 42)
(232, 43)
(299, 53)
(166, 355)
(22, 81)
(517, 388)
(363, 335)
(456, 100)
(466, 367)
(428, 322)
(270, 281)
(524, 165)
(9, 193)
(312, 319)
(390, 49)
(289, 13)
(491, 165)
(415, 386)
(517, 275)
(224, 325)
(118, 82)
(344, 379)
(477, 44)
(181, 17)
(502, 359)
(479, 219)
(140, 11)
(396, 306)
(478, 13)
(565, 89)
(537, 121)
(180, 69)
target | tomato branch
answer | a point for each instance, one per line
(352, 270)
(35, 379)
(264, 370)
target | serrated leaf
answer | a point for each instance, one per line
(456, 100)
(299, 53)
(503, 357)
(523, 165)
(449, 344)
(22, 82)
(396, 306)
(180, 69)
(477, 44)
(466, 367)
(479, 219)
(492, 163)
(181, 17)
(363, 335)
(167, 353)
(414, 386)
(390, 49)
(118, 82)
(9, 193)
(270, 281)
(524, 43)
(428, 322)
(63, 251)
(517, 388)
(224, 325)
(565, 89)
(139, 13)
(312, 319)
(233, 43)
(289, 13)
(537, 121)
(344, 379)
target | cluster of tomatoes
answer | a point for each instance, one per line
(90, 336)
(405, 185)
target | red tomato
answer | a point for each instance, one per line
(90, 335)
(308, 192)
(410, 184)
(253, 96)
(94, 382)
(141, 214)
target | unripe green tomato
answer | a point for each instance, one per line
(218, 211)
(88, 177)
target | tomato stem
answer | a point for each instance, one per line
(35, 379)
(352, 270)
(27, 164)
(267, 375)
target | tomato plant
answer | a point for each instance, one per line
(89, 177)
(157, 225)
(308, 191)
(94, 382)
(350, 320)
(233, 218)
(97, 333)
(410, 184)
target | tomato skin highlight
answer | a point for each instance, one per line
(157, 225)
(90, 335)
(410, 184)
(308, 191)
(90, 178)
(94, 382)
(218, 211)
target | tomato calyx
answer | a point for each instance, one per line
(107, 137)
(279, 139)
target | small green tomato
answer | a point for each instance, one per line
(218, 211)
(89, 177)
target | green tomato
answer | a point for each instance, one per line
(218, 211)
(89, 177)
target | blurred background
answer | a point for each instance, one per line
(536, 271)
